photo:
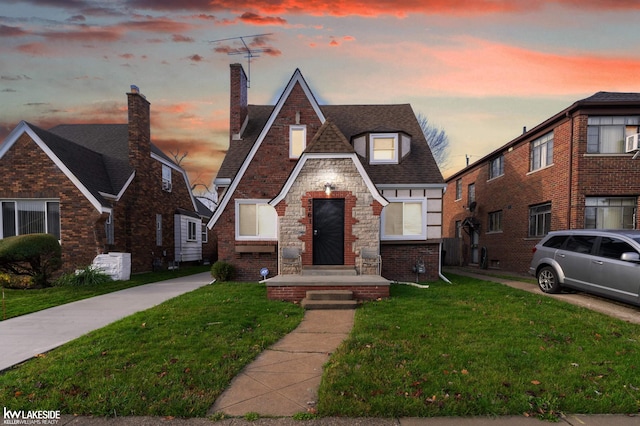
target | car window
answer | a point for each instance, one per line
(580, 243)
(556, 241)
(613, 248)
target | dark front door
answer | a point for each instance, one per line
(328, 232)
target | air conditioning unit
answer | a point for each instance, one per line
(631, 144)
(166, 185)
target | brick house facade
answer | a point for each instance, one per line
(570, 172)
(100, 188)
(288, 162)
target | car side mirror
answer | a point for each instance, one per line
(630, 256)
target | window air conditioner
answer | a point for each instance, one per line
(166, 185)
(632, 143)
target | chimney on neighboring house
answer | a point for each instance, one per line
(238, 110)
(139, 128)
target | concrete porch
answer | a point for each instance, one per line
(294, 287)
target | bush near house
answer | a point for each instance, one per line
(223, 271)
(89, 276)
(33, 255)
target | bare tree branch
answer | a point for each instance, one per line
(437, 140)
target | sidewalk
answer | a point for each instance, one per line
(26, 336)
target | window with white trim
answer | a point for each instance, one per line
(404, 220)
(606, 134)
(297, 140)
(205, 234)
(541, 153)
(255, 220)
(20, 217)
(166, 178)
(383, 148)
(610, 212)
(191, 231)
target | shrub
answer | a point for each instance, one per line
(88, 276)
(222, 271)
(16, 282)
(35, 255)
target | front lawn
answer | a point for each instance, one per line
(172, 360)
(480, 348)
(21, 302)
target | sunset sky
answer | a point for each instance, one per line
(479, 69)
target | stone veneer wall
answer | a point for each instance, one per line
(362, 212)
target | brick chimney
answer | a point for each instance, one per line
(139, 128)
(238, 110)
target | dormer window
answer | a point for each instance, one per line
(383, 148)
(297, 140)
(166, 178)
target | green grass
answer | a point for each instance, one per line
(480, 348)
(21, 302)
(172, 360)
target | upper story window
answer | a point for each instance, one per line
(458, 189)
(383, 148)
(606, 134)
(20, 217)
(541, 154)
(166, 178)
(255, 220)
(496, 167)
(472, 193)
(297, 140)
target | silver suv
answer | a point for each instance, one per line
(606, 263)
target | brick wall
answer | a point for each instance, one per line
(263, 179)
(79, 220)
(573, 176)
(398, 260)
(297, 293)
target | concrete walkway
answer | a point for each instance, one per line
(284, 379)
(26, 336)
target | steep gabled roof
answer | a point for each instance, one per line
(329, 139)
(263, 130)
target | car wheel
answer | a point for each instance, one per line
(548, 280)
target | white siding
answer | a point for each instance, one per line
(185, 249)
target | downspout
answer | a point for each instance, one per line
(442, 277)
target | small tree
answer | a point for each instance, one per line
(35, 255)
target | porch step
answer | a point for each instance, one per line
(329, 295)
(332, 270)
(329, 299)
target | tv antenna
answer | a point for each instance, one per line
(247, 51)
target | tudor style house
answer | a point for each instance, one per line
(100, 188)
(329, 181)
(578, 169)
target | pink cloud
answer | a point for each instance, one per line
(255, 19)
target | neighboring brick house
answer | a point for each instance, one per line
(570, 172)
(329, 180)
(100, 188)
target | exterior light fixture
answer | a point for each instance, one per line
(328, 188)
